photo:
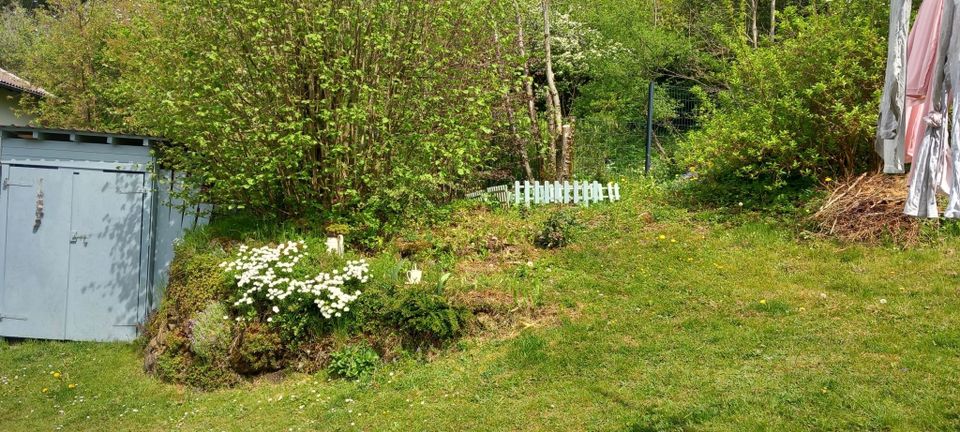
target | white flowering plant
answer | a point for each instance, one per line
(272, 286)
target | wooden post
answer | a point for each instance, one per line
(516, 192)
(616, 190)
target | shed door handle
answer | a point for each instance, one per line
(77, 237)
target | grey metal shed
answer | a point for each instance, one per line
(86, 233)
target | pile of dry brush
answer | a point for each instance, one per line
(868, 208)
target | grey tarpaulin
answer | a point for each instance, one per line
(953, 88)
(931, 160)
(891, 127)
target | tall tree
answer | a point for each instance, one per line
(560, 134)
(16, 36)
(773, 20)
(363, 112)
(554, 109)
(70, 57)
(536, 139)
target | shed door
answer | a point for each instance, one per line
(105, 299)
(76, 274)
(33, 256)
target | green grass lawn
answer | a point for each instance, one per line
(711, 327)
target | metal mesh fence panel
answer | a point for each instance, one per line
(606, 147)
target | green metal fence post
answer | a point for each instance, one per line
(646, 166)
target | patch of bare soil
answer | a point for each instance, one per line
(500, 315)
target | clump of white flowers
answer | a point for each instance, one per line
(265, 278)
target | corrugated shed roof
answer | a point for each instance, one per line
(13, 82)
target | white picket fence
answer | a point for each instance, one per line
(575, 192)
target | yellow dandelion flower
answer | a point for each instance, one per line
(673, 240)
(71, 386)
(56, 374)
(763, 301)
(828, 180)
(44, 390)
(662, 237)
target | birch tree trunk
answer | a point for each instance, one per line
(554, 107)
(535, 137)
(754, 38)
(773, 19)
(656, 13)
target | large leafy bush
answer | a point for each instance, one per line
(796, 111)
(362, 110)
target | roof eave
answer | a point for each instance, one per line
(34, 92)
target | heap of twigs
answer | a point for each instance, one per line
(868, 209)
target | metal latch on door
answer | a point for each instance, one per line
(7, 184)
(77, 237)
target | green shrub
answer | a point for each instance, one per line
(211, 333)
(257, 350)
(354, 361)
(367, 161)
(797, 111)
(196, 279)
(422, 314)
(170, 367)
(194, 372)
(209, 376)
(425, 314)
(369, 311)
(556, 231)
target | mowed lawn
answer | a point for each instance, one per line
(678, 324)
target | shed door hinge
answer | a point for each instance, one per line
(11, 317)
